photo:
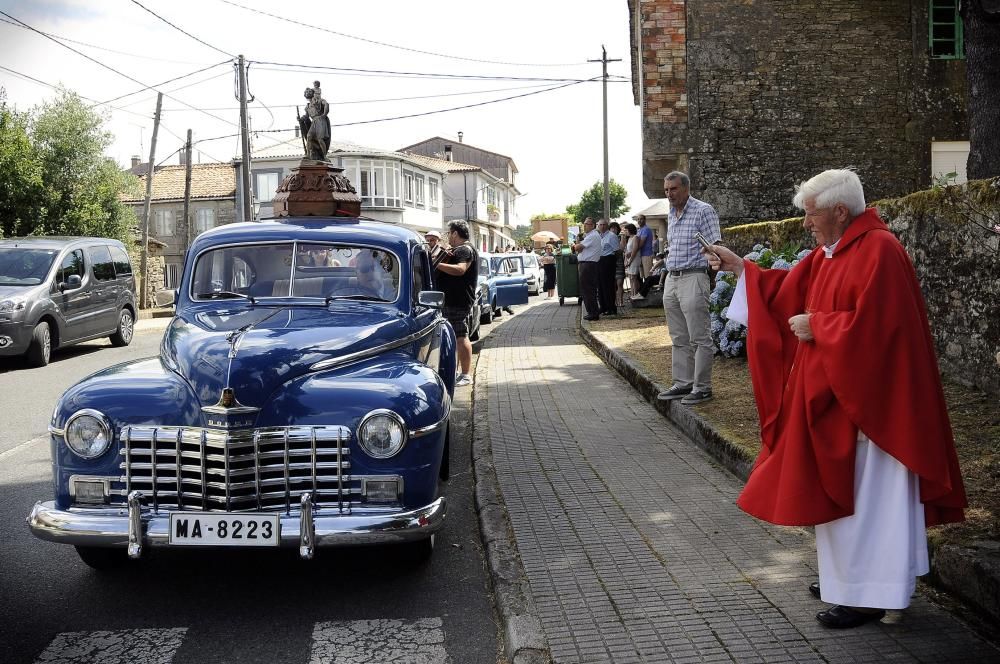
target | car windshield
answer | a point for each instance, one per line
(506, 266)
(296, 270)
(25, 267)
(530, 260)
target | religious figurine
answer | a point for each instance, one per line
(315, 124)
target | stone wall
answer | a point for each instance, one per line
(949, 235)
(752, 97)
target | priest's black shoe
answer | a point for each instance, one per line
(591, 318)
(844, 617)
(814, 589)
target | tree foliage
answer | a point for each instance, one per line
(982, 55)
(592, 202)
(54, 176)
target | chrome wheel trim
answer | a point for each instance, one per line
(47, 344)
(126, 326)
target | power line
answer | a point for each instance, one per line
(109, 50)
(386, 72)
(57, 88)
(458, 108)
(402, 48)
(171, 80)
(388, 99)
(179, 29)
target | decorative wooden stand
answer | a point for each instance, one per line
(316, 189)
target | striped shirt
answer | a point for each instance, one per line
(696, 217)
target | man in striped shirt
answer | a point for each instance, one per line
(686, 291)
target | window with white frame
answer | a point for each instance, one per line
(204, 218)
(267, 185)
(163, 222)
(376, 180)
(418, 190)
(171, 275)
(432, 194)
(408, 188)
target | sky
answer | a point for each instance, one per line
(375, 60)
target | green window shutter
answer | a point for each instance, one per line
(945, 30)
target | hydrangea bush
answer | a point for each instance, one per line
(728, 335)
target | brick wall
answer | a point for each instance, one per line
(751, 97)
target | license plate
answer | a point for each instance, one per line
(197, 529)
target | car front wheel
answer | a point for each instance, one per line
(126, 328)
(40, 351)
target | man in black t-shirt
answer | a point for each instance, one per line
(457, 275)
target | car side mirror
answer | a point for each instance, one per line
(72, 282)
(434, 299)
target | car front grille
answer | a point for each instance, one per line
(268, 470)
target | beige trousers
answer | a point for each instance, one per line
(685, 304)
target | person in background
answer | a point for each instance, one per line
(645, 246)
(548, 261)
(633, 264)
(606, 268)
(588, 253)
(457, 275)
(686, 291)
(616, 228)
(856, 438)
(436, 251)
(656, 277)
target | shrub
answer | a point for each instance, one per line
(728, 335)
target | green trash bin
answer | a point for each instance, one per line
(567, 277)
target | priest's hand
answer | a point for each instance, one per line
(720, 258)
(800, 327)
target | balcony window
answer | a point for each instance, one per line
(375, 181)
(433, 198)
(418, 190)
(267, 185)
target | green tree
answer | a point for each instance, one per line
(592, 202)
(21, 188)
(72, 188)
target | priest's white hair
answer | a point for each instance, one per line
(838, 185)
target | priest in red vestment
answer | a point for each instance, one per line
(855, 433)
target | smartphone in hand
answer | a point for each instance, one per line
(703, 242)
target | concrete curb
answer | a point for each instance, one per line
(971, 574)
(524, 638)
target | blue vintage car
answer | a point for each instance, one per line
(506, 283)
(300, 399)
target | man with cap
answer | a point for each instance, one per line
(436, 251)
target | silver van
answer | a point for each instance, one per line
(59, 291)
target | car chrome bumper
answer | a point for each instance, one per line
(136, 527)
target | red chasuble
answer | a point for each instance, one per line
(871, 366)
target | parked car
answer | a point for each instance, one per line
(60, 291)
(506, 283)
(301, 398)
(533, 269)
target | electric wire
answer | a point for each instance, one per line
(57, 88)
(181, 30)
(402, 48)
(417, 75)
(109, 50)
(171, 80)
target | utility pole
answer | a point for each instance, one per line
(144, 263)
(607, 189)
(187, 190)
(245, 139)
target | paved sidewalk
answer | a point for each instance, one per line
(632, 544)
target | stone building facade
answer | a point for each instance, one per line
(750, 98)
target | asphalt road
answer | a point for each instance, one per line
(356, 606)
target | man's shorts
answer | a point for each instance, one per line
(459, 319)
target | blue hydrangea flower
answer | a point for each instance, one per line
(802, 254)
(753, 256)
(758, 247)
(781, 264)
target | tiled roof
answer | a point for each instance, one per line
(440, 164)
(207, 181)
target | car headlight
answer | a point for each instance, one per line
(10, 306)
(88, 433)
(382, 434)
